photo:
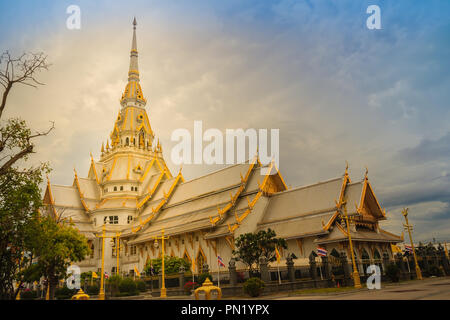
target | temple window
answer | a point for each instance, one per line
(182, 241)
(115, 188)
(121, 188)
(129, 219)
(196, 238)
(133, 250)
(127, 141)
(113, 220)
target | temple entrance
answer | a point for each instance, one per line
(335, 263)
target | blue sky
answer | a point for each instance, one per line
(336, 90)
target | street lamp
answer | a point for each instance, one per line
(356, 278)
(409, 228)
(118, 247)
(156, 245)
(101, 294)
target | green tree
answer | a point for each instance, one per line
(171, 265)
(20, 196)
(251, 246)
(56, 245)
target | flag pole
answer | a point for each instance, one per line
(218, 273)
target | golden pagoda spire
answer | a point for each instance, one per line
(133, 90)
(103, 147)
(107, 144)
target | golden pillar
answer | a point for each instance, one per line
(409, 228)
(101, 294)
(163, 285)
(117, 251)
(356, 279)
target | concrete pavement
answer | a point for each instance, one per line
(429, 289)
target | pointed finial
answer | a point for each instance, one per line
(107, 144)
(346, 167)
(365, 174)
(103, 147)
(134, 23)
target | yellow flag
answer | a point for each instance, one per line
(137, 272)
(277, 254)
(395, 249)
(94, 275)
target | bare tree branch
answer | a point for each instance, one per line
(26, 66)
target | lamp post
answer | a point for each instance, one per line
(118, 248)
(409, 228)
(163, 285)
(101, 294)
(356, 278)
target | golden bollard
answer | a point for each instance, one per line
(207, 288)
(80, 295)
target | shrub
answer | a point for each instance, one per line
(253, 287)
(434, 271)
(189, 286)
(128, 285)
(114, 283)
(28, 294)
(393, 272)
(141, 286)
(64, 293)
(93, 290)
(171, 265)
(202, 278)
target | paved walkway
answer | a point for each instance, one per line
(428, 289)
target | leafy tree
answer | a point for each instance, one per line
(20, 196)
(251, 246)
(171, 265)
(56, 245)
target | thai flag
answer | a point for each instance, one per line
(322, 252)
(408, 249)
(220, 261)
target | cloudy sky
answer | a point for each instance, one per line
(336, 90)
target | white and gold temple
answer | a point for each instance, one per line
(131, 190)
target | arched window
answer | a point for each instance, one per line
(127, 141)
(376, 254)
(141, 139)
(201, 260)
(115, 188)
(365, 260)
(335, 253)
